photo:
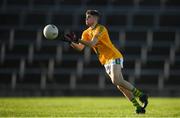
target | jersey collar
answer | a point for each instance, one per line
(94, 27)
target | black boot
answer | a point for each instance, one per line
(144, 100)
(140, 110)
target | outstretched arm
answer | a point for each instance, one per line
(80, 46)
(91, 43)
(77, 46)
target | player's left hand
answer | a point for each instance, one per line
(71, 36)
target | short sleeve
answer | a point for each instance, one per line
(99, 31)
(84, 36)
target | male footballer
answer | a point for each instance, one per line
(96, 36)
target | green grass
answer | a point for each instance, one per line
(85, 107)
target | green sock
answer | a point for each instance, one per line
(137, 92)
(135, 103)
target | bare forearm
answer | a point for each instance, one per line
(76, 46)
(85, 43)
(89, 43)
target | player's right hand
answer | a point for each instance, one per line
(71, 36)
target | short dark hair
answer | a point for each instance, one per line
(93, 13)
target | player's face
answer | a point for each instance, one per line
(90, 20)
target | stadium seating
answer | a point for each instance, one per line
(118, 20)
(35, 19)
(145, 31)
(97, 3)
(71, 2)
(127, 3)
(6, 19)
(150, 3)
(19, 3)
(148, 20)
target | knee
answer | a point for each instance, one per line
(115, 80)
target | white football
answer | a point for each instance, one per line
(50, 31)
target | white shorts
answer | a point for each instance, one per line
(108, 66)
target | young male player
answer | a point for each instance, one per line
(96, 36)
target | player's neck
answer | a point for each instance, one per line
(94, 25)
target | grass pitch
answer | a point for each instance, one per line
(85, 107)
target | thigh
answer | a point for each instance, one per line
(116, 71)
(114, 67)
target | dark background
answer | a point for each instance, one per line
(145, 31)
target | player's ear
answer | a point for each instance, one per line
(96, 18)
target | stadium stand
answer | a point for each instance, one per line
(146, 31)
